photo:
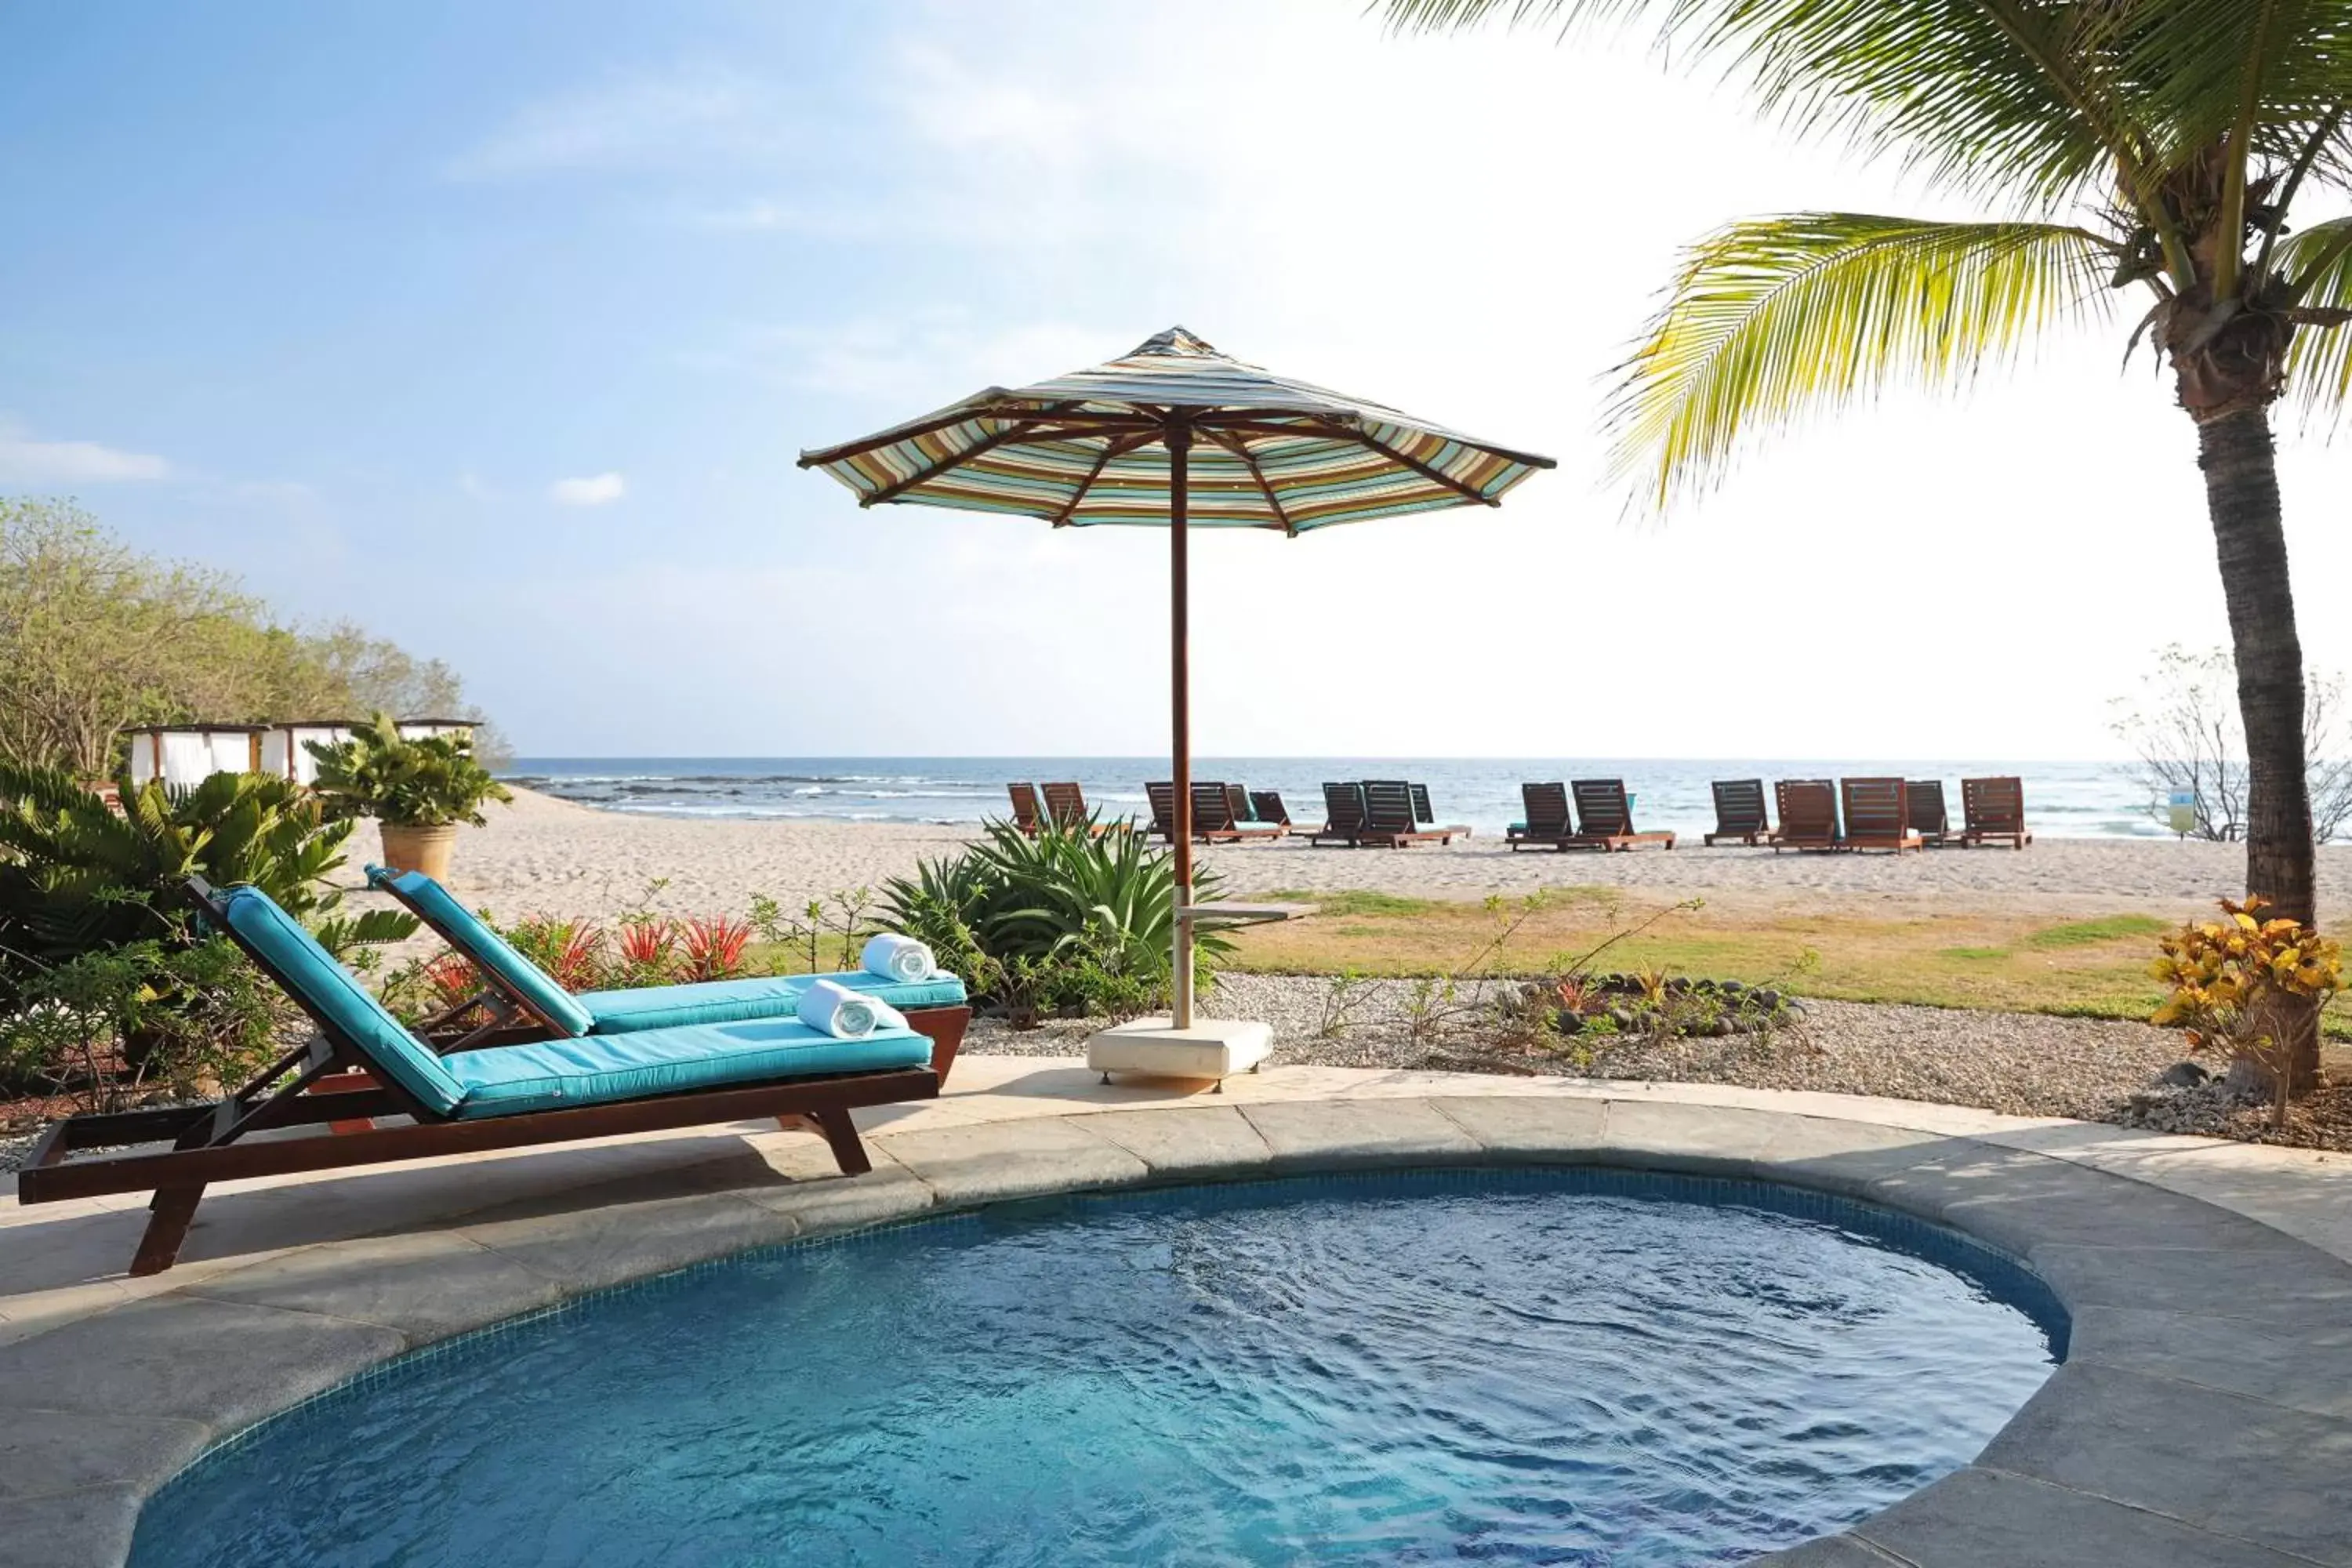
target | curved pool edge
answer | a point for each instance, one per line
(2201, 1416)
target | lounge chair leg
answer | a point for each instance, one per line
(1106, 1078)
(840, 1132)
(174, 1209)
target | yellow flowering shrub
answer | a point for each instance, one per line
(2226, 975)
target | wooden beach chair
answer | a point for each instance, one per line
(1877, 813)
(364, 1065)
(1808, 818)
(522, 1001)
(1930, 818)
(1343, 816)
(1065, 806)
(1388, 816)
(1237, 802)
(1739, 811)
(1162, 794)
(1604, 818)
(1025, 807)
(1213, 821)
(1266, 805)
(1995, 809)
(1547, 825)
(1427, 818)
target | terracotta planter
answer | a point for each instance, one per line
(425, 850)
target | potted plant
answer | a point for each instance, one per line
(418, 790)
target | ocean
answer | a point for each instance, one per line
(2077, 800)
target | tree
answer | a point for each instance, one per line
(2155, 146)
(2184, 729)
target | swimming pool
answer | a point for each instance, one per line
(1570, 1366)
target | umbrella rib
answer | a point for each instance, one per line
(893, 490)
(1436, 476)
(1110, 449)
(1239, 448)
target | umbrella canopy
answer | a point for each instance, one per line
(1176, 435)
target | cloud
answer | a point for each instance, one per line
(642, 121)
(596, 490)
(26, 460)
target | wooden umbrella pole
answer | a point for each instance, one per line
(1180, 979)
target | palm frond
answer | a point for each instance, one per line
(2255, 73)
(2319, 358)
(1774, 318)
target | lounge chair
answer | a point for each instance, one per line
(364, 1065)
(1739, 811)
(1237, 804)
(1162, 794)
(1604, 817)
(1995, 809)
(1265, 806)
(1343, 816)
(1877, 813)
(1808, 818)
(1025, 807)
(1388, 816)
(1213, 821)
(1427, 818)
(1065, 806)
(1547, 825)
(523, 1001)
(1930, 818)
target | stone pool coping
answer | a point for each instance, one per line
(2203, 1418)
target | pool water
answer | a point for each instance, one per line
(1543, 1366)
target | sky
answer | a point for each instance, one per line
(496, 328)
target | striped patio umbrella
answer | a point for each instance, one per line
(1176, 435)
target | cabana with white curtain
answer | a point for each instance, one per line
(417, 729)
(286, 748)
(183, 755)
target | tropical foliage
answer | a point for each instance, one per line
(425, 781)
(2165, 149)
(2229, 978)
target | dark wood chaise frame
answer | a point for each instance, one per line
(1343, 815)
(333, 1080)
(1808, 818)
(1426, 814)
(1390, 817)
(1213, 821)
(1605, 819)
(1065, 806)
(1024, 806)
(1266, 805)
(1739, 812)
(1547, 823)
(1995, 809)
(1877, 813)
(1931, 819)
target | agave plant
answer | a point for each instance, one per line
(426, 781)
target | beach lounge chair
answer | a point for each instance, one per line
(1739, 811)
(523, 1001)
(1024, 806)
(1266, 805)
(1808, 818)
(1237, 801)
(1343, 816)
(1604, 818)
(1995, 809)
(1162, 794)
(1388, 816)
(1213, 821)
(1065, 806)
(1547, 825)
(364, 1065)
(1422, 813)
(1930, 818)
(1877, 813)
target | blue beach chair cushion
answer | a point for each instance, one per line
(764, 996)
(553, 1075)
(485, 947)
(311, 971)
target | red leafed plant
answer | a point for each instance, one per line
(648, 946)
(570, 951)
(714, 947)
(452, 979)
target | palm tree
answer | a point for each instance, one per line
(2137, 145)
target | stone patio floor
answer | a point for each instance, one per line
(2204, 1415)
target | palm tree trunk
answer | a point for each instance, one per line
(2241, 496)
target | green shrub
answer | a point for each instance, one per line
(112, 1026)
(430, 780)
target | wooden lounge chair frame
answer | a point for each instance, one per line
(1065, 806)
(333, 1080)
(1805, 830)
(1213, 821)
(515, 1019)
(1995, 809)
(1739, 812)
(1423, 814)
(1343, 815)
(1389, 818)
(1162, 794)
(1931, 819)
(1878, 813)
(1549, 825)
(1266, 805)
(1025, 807)
(1604, 818)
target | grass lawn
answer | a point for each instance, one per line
(2094, 967)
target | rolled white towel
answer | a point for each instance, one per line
(829, 1005)
(899, 958)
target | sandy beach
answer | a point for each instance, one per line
(545, 855)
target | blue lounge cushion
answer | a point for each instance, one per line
(313, 973)
(764, 996)
(465, 932)
(551, 1075)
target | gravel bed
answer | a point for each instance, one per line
(2023, 1064)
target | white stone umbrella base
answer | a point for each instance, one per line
(1211, 1049)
